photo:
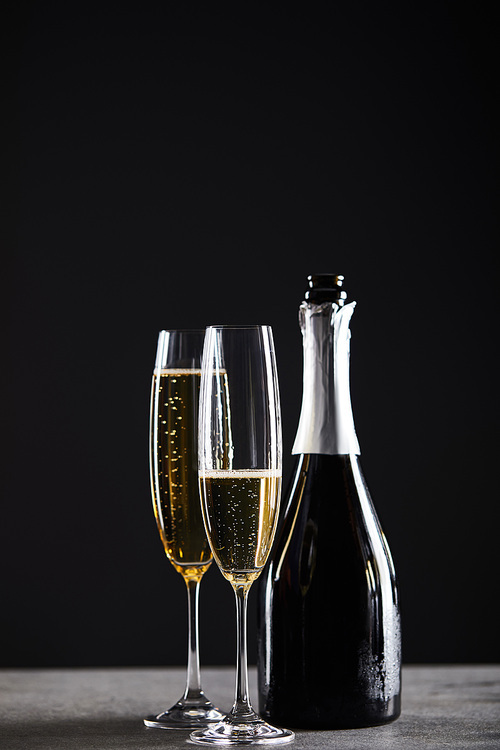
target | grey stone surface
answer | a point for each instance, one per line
(450, 707)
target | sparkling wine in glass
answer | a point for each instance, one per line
(239, 454)
(176, 501)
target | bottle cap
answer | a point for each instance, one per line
(326, 287)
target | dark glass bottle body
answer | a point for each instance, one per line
(329, 636)
(329, 652)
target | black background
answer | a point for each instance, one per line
(176, 165)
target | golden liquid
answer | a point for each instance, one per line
(241, 511)
(174, 470)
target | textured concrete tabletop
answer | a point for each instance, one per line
(449, 707)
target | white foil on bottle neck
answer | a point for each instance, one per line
(326, 424)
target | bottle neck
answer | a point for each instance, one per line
(326, 424)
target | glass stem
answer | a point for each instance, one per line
(242, 709)
(193, 685)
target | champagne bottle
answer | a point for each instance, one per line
(329, 643)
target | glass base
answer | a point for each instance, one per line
(228, 732)
(186, 715)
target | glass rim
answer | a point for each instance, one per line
(242, 326)
(182, 330)
(229, 326)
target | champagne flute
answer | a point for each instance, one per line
(239, 455)
(176, 501)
